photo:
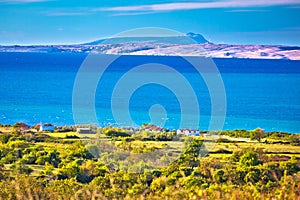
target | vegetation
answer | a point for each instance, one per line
(267, 137)
(39, 166)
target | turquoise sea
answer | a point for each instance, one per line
(37, 87)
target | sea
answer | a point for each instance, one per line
(39, 87)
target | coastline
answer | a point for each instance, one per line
(154, 129)
(205, 49)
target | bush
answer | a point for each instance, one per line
(253, 176)
(50, 157)
(190, 156)
(224, 140)
(291, 166)
(4, 138)
(29, 159)
(18, 144)
(63, 188)
(250, 158)
(192, 182)
(219, 176)
(19, 168)
(115, 132)
(294, 140)
(70, 170)
(72, 137)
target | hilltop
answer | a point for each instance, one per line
(190, 44)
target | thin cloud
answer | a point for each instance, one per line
(22, 1)
(245, 11)
(295, 28)
(201, 5)
(53, 14)
(294, 7)
(56, 12)
(132, 13)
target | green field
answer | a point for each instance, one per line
(114, 165)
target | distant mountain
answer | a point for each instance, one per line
(96, 42)
(190, 44)
(189, 38)
(197, 37)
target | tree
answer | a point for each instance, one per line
(4, 150)
(2, 173)
(291, 166)
(91, 169)
(250, 158)
(257, 134)
(51, 157)
(70, 170)
(253, 176)
(78, 150)
(20, 127)
(190, 156)
(294, 140)
(63, 188)
(115, 132)
(4, 138)
(48, 169)
(20, 168)
(29, 158)
(192, 181)
(219, 176)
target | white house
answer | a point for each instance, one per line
(153, 129)
(194, 132)
(188, 132)
(206, 135)
(47, 127)
(85, 130)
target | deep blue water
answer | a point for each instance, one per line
(37, 87)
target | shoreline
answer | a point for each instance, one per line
(156, 128)
(209, 50)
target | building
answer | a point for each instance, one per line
(206, 135)
(153, 128)
(194, 132)
(86, 130)
(188, 132)
(46, 127)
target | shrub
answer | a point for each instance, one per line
(219, 176)
(29, 159)
(70, 170)
(19, 168)
(253, 176)
(250, 158)
(4, 138)
(51, 157)
(114, 132)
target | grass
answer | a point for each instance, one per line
(52, 134)
(267, 149)
(65, 134)
(5, 129)
(61, 135)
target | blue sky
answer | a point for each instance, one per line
(220, 21)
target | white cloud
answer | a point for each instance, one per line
(131, 13)
(22, 1)
(245, 11)
(202, 5)
(54, 13)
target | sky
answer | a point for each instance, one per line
(26, 22)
